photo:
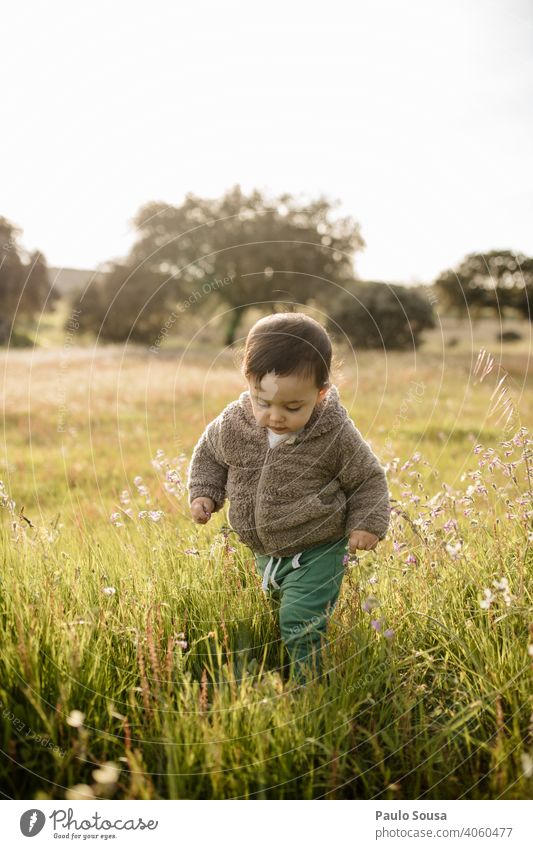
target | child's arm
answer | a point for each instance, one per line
(363, 480)
(208, 472)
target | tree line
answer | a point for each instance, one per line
(227, 255)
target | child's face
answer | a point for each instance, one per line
(284, 404)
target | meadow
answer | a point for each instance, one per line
(139, 658)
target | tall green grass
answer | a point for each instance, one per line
(139, 658)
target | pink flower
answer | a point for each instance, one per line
(370, 604)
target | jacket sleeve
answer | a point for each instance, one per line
(364, 483)
(208, 472)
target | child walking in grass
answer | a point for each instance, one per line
(304, 488)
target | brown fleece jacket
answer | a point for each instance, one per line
(314, 487)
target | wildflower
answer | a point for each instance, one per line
(115, 520)
(389, 633)
(106, 774)
(411, 558)
(108, 590)
(124, 498)
(142, 489)
(450, 525)
(377, 624)
(487, 601)
(75, 718)
(193, 551)
(155, 515)
(373, 579)
(503, 586)
(345, 559)
(454, 549)
(78, 792)
(181, 644)
(370, 604)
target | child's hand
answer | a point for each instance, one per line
(363, 540)
(201, 509)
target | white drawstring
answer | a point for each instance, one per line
(271, 568)
(296, 560)
(274, 570)
(266, 574)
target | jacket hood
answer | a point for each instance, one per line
(326, 416)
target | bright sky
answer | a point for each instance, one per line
(416, 114)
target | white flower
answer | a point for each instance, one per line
(115, 520)
(79, 791)
(487, 601)
(503, 586)
(75, 718)
(108, 590)
(454, 550)
(106, 774)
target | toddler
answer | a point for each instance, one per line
(304, 487)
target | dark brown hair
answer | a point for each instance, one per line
(289, 343)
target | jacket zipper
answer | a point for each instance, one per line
(269, 449)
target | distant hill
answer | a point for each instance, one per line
(67, 280)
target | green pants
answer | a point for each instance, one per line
(305, 588)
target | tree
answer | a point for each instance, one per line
(243, 249)
(377, 315)
(498, 280)
(25, 289)
(124, 303)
